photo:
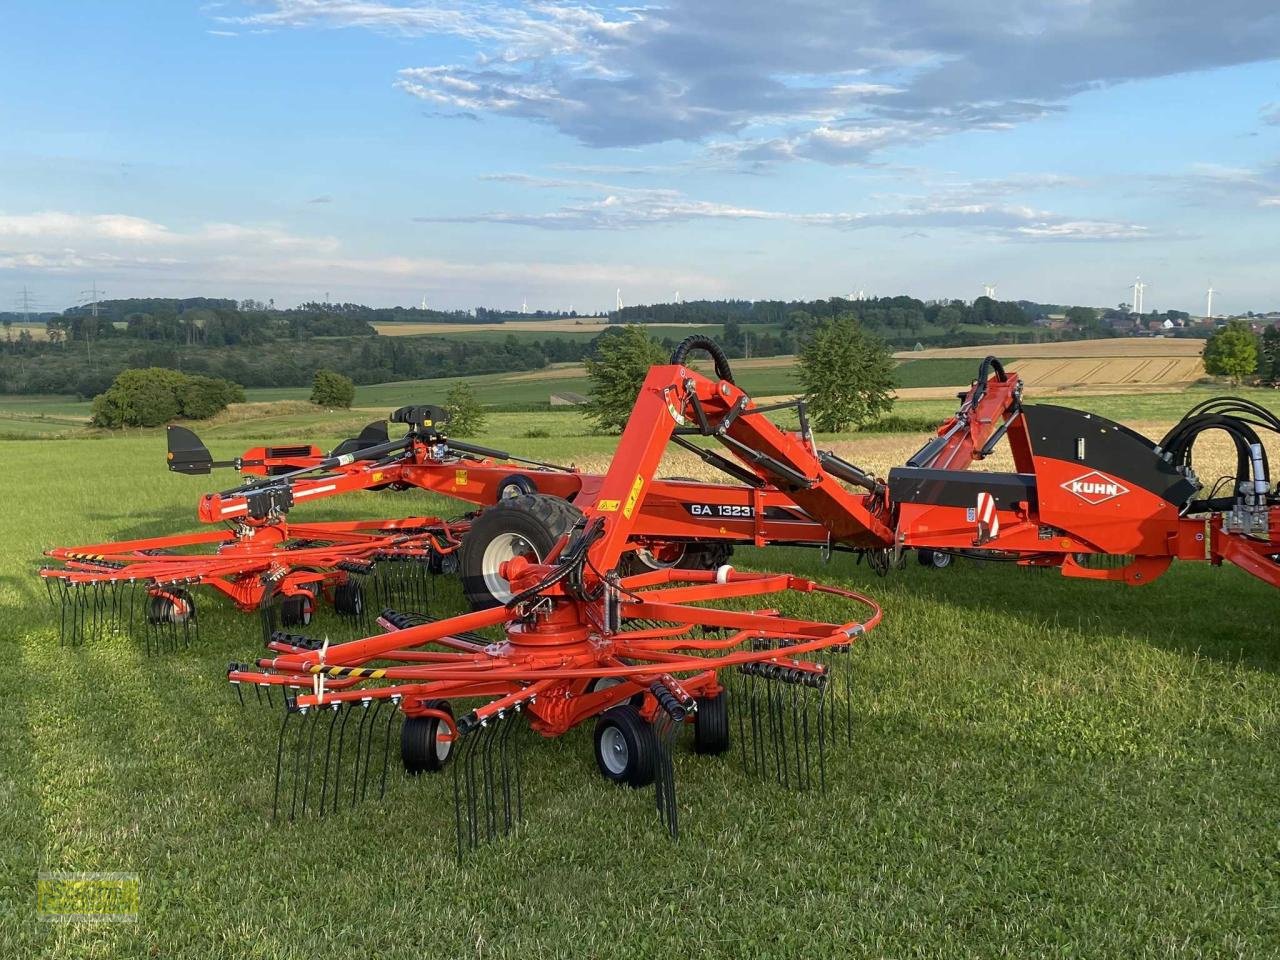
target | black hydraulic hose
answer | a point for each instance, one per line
(707, 345)
(988, 364)
(1178, 443)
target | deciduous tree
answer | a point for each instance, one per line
(847, 375)
(616, 373)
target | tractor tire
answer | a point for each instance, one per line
(626, 748)
(421, 749)
(529, 524)
(348, 599)
(711, 724)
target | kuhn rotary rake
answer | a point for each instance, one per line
(617, 607)
(280, 570)
(578, 641)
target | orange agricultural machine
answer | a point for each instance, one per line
(607, 598)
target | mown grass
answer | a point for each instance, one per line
(1042, 767)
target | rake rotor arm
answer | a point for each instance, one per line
(986, 412)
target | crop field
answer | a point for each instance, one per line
(1109, 347)
(592, 325)
(1041, 767)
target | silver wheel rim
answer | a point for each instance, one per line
(613, 751)
(941, 560)
(499, 550)
(442, 746)
(653, 563)
(604, 683)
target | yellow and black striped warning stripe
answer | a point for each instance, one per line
(368, 673)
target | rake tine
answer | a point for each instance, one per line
(275, 800)
(665, 783)
(758, 760)
(795, 695)
(364, 781)
(386, 749)
(360, 749)
(337, 763)
(506, 776)
(464, 799)
(297, 764)
(804, 720)
(355, 772)
(490, 811)
(521, 735)
(328, 755)
(822, 737)
(311, 743)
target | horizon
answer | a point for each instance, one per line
(378, 152)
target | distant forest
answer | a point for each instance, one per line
(257, 345)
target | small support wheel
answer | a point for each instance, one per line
(171, 606)
(515, 485)
(933, 558)
(296, 611)
(348, 599)
(711, 724)
(421, 748)
(626, 748)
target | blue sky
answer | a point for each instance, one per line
(488, 154)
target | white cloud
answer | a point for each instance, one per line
(70, 226)
(828, 80)
(602, 206)
(144, 257)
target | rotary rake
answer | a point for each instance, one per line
(279, 570)
(617, 607)
(640, 655)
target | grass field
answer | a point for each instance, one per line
(1042, 768)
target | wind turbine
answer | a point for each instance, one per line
(678, 297)
(1208, 306)
(989, 290)
(424, 302)
(619, 298)
(524, 305)
(1138, 289)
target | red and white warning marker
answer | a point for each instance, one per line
(988, 521)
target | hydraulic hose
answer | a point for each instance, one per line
(708, 346)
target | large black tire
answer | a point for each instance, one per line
(420, 750)
(528, 524)
(626, 748)
(711, 724)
